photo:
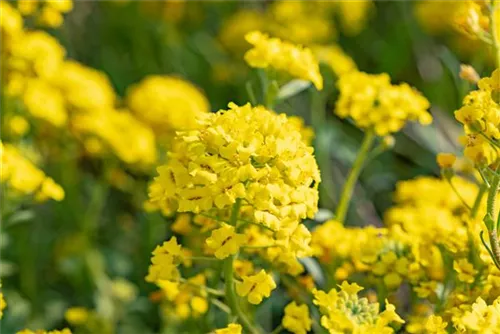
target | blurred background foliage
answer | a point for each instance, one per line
(44, 268)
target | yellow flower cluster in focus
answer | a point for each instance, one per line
(283, 56)
(480, 115)
(344, 312)
(23, 177)
(373, 103)
(247, 153)
(481, 318)
(256, 287)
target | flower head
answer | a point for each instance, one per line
(167, 104)
(225, 241)
(164, 262)
(283, 56)
(256, 287)
(230, 329)
(246, 153)
(296, 319)
(373, 103)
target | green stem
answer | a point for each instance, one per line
(278, 329)
(231, 297)
(477, 202)
(203, 287)
(491, 222)
(348, 189)
(458, 194)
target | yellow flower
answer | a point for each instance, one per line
(47, 12)
(50, 17)
(373, 103)
(247, 153)
(480, 115)
(343, 311)
(482, 318)
(36, 54)
(188, 299)
(233, 30)
(350, 289)
(283, 56)
(52, 109)
(11, 24)
(137, 148)
(24, 177)
(167, 104)
(436, 325)
(256, 287)
(468, 73)
(446, 160)
(230, 329)
(306, 132)
(335, 58)
(18, 125)
(225, 241)
(50, 189)
(3, 305)
(354, 14)
(164, 262)
(296, 319)
(76, 316)
(84, 88)
(302, 22)
(389, 314)
(27, 331)
(465, 270)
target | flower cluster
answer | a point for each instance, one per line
(24, 178)
(296, 319)
(344, 312)
(283, 56)
(167, 104)
(164, 262)
(36, 69)
(230, 329)
(480, 115)
(256, 287)
(373, 103)
(185, 300)
(245, 153)
(48, 13)
(41, 331)
(302, 22)
(335, 58)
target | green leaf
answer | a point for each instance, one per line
(293, 88)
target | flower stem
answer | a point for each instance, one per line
(211, 291)
(348, 189)
(278, 329)
(231, 297)
(477, 202)
(491, 222)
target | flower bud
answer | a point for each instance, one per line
(468, 73)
